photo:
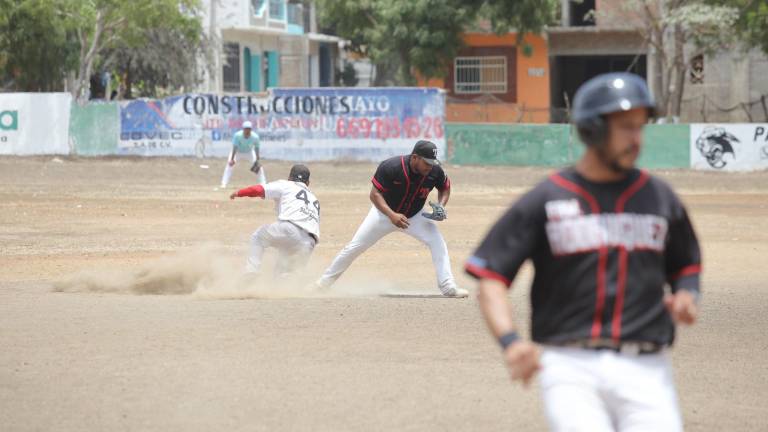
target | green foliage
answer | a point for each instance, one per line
(752, 23)
(168, 59)
(423, 35)
(709, 27)
(42, 40)
(523, 16)
(35, 51)
(161, 37)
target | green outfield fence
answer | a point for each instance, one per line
(94, 128)
(666, 146)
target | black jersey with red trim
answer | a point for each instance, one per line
(602, 254)
(406, 191)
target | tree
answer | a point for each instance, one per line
(41, 41)
(168, 59)
(752, 24)
(677, 32)
(105, 26)
(421, 36)
(35, 51)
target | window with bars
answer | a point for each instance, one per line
(277, 9)
(231, 68)
(479, 75)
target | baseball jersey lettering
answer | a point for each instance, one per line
(406, 191)
(592, 232)
(602, 254)
(295, 204)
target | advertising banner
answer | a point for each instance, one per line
(729, 147)
(299, 124)
(34, 123)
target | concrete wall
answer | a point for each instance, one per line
(730, 80)
(162, 128)
(94, 129)
(666, 146)
(618, 13)
(505, 144)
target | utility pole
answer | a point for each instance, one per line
(213, 72)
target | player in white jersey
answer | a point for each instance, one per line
(297, 229)
(245, 141)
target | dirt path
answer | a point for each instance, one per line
(216, 358)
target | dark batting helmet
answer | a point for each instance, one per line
(605, 94)
(299, 173)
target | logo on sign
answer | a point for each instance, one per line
(714, 144)
(760, 133)
(9, 120)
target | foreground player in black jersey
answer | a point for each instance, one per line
(616, 264)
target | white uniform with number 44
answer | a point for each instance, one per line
(296, 231)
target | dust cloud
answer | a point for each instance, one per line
(207, 272)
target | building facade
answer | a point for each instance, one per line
(598, 36)
(497, 79)
(258, 44)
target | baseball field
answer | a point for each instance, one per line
(122, 307)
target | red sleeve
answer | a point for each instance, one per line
(378, 185)
(446, 184)
(252, 191)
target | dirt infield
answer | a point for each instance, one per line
(87, 342)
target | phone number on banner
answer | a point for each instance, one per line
(393, 127)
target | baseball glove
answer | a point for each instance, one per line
(256, 166)
(438, 212)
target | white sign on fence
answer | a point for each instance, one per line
(729, 147)
(34, 123)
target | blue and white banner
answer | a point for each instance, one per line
(294, 124)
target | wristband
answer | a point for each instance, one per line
(695, 293)
(508, 339)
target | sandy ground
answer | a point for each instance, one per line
(217, 353)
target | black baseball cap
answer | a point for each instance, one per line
(300, 173)
(427, 150)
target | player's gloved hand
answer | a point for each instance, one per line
(256, 166)
(231, 162)
(522, 358)
(682, 306)
(233, 195)
(399, 220)
(438, 212)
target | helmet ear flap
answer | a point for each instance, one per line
(593, 131)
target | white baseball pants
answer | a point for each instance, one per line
(596, 391)
(229, 169)
(293, 244)
(375, 226)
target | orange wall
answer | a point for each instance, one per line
(532, 91)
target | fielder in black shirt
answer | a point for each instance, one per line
(400, 187)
